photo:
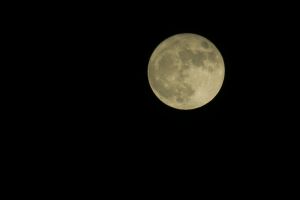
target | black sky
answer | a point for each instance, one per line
(83, 99)
(100, 65)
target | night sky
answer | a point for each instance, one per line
(84, 106)
(100, 69)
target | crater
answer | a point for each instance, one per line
(204, 44)
(212, 56)
(183, 73)
(166, 64)
(198, 59)
(166, 60)
(179, 99)
(210, 69)
(185, 55)
(161, 88)
(184, 90)
(188, 90)
(184, 66)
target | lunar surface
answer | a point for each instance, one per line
(186, 71)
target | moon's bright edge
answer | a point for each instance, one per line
(186, 71)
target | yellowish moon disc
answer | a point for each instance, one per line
(186, 71)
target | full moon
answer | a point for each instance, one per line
(186, 71)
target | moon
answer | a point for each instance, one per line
(186, 71)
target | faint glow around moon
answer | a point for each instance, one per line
(186, 71)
